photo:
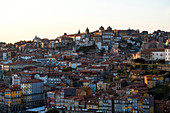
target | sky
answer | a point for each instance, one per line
(23, 19)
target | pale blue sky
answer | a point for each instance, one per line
(23, 19)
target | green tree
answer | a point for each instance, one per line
(131, 67)
(132, 80)
(160, 61)
(12, 69)
(119, 46)
(140, 60)
(102, 51)
(145, 67)
(5, 72)
(67, 69)
(52, 111)
(154, 67)
(167, 74)
(141, 67)
(161, 72)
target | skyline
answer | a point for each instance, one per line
(22, 19)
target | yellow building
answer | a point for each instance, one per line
(13, 98)
(152, 81)
(134, 104)
(33, 93)
(16, 65)
(92, 105)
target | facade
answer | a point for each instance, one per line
(13, 99)
(50, 100)
(152, 81)
(105, 104)
(153, 54)
(92, 105)
(134, 104)
(93, 86)
(65, 43)
(26, 57)
(16, 66)
(33, 93)
(162, 106)
(159, 55)
(151, 42)
(167, 55)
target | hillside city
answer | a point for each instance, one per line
(102, 71)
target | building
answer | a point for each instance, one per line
(66, 42)
(105, 104)
(152, 81)
(151, 42)
(85, 90)
(16, 65)
(16, 79)
(136, 103)
(153, 54)
(33, 93)
(120, 84)
(61, 95)
(162, 106)
(13, 99)
(167, 55)
(92, 105)
(50, 99)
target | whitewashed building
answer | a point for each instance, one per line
(158, 55)
(167, 55)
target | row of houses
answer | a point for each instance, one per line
(18, 97)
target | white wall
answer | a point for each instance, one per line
(74, 65)
(158, 55)
(167, 54)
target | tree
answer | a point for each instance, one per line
(52, 111)
(102, 51)
(5, 72)
(154, 67)
(167, 74)
(132, 80)
(140, 60)
(131, 67)
(152, 72)
(141, 67)
(160, 92)
(119, 46)
(119, 72)
(109, 79)
(160, 72)
(12, 69)
(67, 69)
(160, 61)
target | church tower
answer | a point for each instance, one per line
(87, 31)
(101, 29)
(145, 44)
